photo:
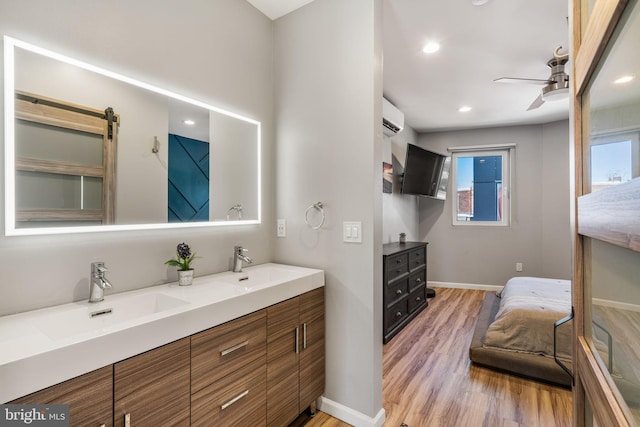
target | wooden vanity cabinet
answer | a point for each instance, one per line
(153, 388)
(264, 368)
(295, 356)
(312, 353)
(89, 396)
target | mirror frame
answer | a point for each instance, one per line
(10, 44)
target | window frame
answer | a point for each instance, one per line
(506, 154)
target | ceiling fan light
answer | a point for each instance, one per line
(479, 2)
(556, 95)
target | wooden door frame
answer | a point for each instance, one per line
(592, 383)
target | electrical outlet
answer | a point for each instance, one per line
(518, 266)
(282, 228)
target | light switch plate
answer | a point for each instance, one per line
(282, 228)
(352, 231)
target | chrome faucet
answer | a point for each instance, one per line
(238, 257)
(98, 282)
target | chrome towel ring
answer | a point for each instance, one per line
(320, 208)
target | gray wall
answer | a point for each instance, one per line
(539, 235)
(220, 52)
(614, 273)
(400, 212)
(329, 121)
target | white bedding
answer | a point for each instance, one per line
(529, 307)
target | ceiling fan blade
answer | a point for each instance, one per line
(519, 80)
(536, 103)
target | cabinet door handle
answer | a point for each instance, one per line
(399, 314)
(418, 280)
(398, 261)
(398, 271)
(297, 340)
(399, 292)
(127, 420)
(418, 299)
(234, 400)
(304, 336)
(234, 348)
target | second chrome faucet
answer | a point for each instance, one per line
(239, 257)
(99, 282)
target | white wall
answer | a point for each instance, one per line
(220, 52)
(400, 211)
(329, 126)
(557, 258)
(539, 235)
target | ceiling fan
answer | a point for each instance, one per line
(555, 87)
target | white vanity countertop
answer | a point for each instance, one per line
(44, 347)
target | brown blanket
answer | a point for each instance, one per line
(529, 307)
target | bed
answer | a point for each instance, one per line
(514, 331)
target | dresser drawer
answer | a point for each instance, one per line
(395, 291)
(219, 351)
(239, 399)
(395, 267)
(416, 258)
(395, 313)
(417, 298)
(417, 280)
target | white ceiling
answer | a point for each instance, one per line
(503, 38)
(274, 9)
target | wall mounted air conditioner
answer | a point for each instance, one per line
(392, 118)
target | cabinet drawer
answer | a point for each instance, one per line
(416, 258)
(239, 399)
(395, 291)
(417, 298)
(219, 351)
(396, 313)
(396, 266)
(417, 280)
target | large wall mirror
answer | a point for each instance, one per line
(87, 149)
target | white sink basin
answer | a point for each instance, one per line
(101, 317)
(261, 276)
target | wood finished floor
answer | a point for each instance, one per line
(429, 381)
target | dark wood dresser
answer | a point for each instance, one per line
(405, 285)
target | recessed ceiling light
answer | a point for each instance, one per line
(623, 79)
(189, 122)
(479, 2)
(464, 109)
(431, 47)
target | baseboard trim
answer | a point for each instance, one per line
(463, 286)
(350, 416)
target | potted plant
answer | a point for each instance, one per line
(183, 259)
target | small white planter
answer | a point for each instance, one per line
(185, 277)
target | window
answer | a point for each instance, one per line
(480, 180)
(614, 159)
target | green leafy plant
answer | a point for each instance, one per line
(183, 258)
